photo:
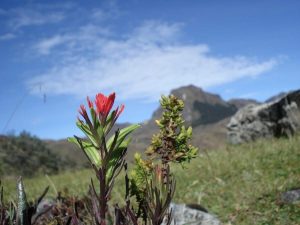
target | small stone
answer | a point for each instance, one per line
(182, 214)
(291, 196)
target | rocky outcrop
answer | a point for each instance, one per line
(274, 119)
(183, 214)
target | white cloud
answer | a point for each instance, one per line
(44, 47)
(21, 17)
(79, 40)
(154, 32)
(149, 62)
(7, 36)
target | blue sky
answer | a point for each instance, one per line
(66, 50)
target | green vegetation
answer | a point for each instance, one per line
(240, 184)
(26, 155)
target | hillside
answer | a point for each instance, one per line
(26, 155)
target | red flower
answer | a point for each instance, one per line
(104, 104)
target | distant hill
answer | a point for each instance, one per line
(67, 150)
(26, 155)
(240, 102)
(276, 97)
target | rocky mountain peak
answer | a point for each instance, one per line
(192, 93)
(201, 107)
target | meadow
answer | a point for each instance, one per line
(240, 184)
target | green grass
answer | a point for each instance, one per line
(240, 184)
(75, 181)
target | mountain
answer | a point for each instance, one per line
(201, 107)
(240, 102)
(276, 97)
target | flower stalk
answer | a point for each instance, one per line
(106, 155)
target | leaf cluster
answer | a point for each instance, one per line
(171, 143)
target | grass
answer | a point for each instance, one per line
(240, 184)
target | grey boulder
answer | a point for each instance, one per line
(273, 119)
(182, 214)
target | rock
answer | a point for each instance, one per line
(290, 196)
(44, 210)
(274, 119)
(45, 205)
(182, 214)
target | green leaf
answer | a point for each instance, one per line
(86, 130)
(122, 135)
(96, 123)
(109, 119)
(22, 203)
(94, 116)
(89, 149)
(189, 132)
(115, 156)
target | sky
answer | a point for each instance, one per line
(55, 53)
